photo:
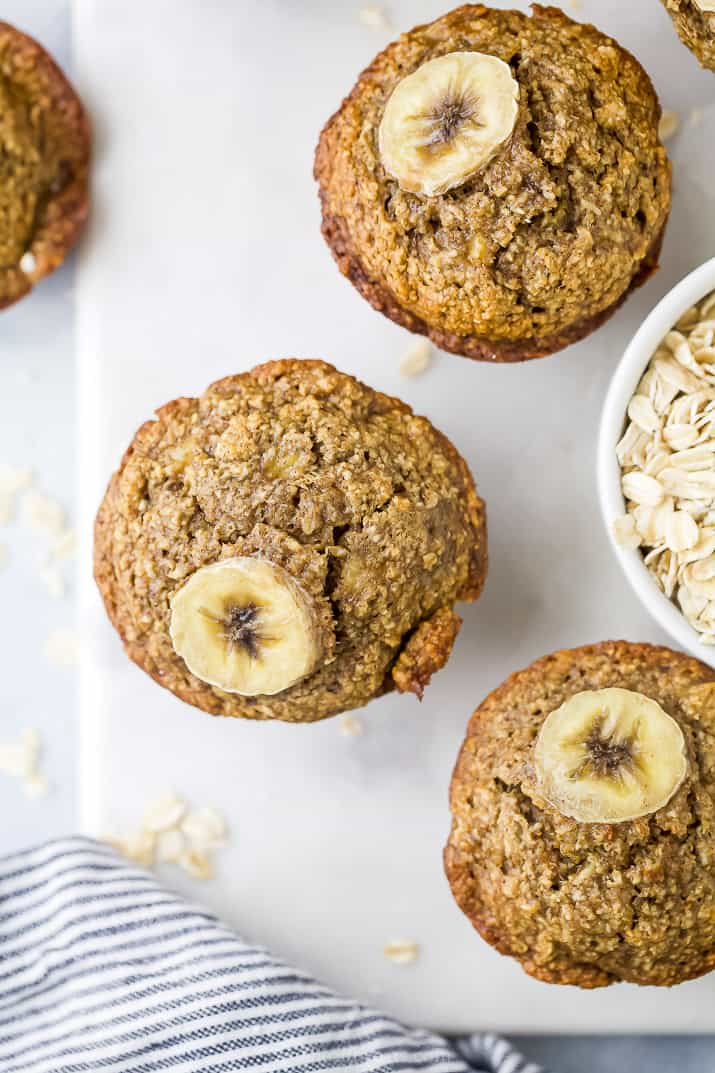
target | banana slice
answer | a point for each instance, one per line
(609, 755)
(446, 120)
(245, 626)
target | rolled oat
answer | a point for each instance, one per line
(667, 459)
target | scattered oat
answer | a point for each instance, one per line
(695, 117)
(164, 814)
(401, 951)
(169, 846)
(170, 835)
(12, 481)
(375, 17)
(140, 848)
(350, 727)
(28, 263)
(62, 648)
(415, 360)
(43, 514)
(64, 546)
(205, 828)
(667, 458)
(21, 761)
(53, 581)
(669, 123)
(196, 864)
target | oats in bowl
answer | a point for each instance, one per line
(667, 460)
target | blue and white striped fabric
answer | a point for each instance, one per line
(102, 968)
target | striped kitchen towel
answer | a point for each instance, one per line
(102, 968)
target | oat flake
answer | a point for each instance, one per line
(401, 951)
(196, 864)
(415, 360)
(624, 531)
(164, 813)
(350, 727)
(668, 125)
(642, 489)
(375, 17)
(205, 828)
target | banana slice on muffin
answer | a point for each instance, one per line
(245, 626)
(290, 545)
(582, 802)
(496, 181)
(447, 120)
(609, 755)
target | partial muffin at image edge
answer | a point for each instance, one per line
(583, 817)
(289, 545)
(528, 233)
(44, 178)
(694, 22)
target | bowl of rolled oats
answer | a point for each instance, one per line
(656, 463)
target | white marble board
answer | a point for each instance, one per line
(204, 258)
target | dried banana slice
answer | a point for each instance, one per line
(447, 120)
(609, 755)
(245, 626)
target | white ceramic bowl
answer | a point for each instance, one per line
(624, 382)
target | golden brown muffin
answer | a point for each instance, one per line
(695, 25)
(538, 247)
(587, 903)
(369, 509)
(45, 138)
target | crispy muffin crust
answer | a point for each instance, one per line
(695, 28)
(426, 652)
(368, 506)
(45, 138)
(544, 244)
(587, 904)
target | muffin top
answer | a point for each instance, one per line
(695, 24)
(538, 246)
(588, 903)
(367, 509)
(45, 139)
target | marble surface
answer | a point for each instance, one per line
(37, 391)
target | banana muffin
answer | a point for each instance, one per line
(495, 181)
(289, 545)
(694, 21)
(45, 138)
(583, 817)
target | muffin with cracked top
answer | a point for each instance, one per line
(583, 817)
(45, 139)
(289, 545)
(495, 181)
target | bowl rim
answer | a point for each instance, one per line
(624, 381)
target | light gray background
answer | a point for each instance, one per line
(37, 423)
